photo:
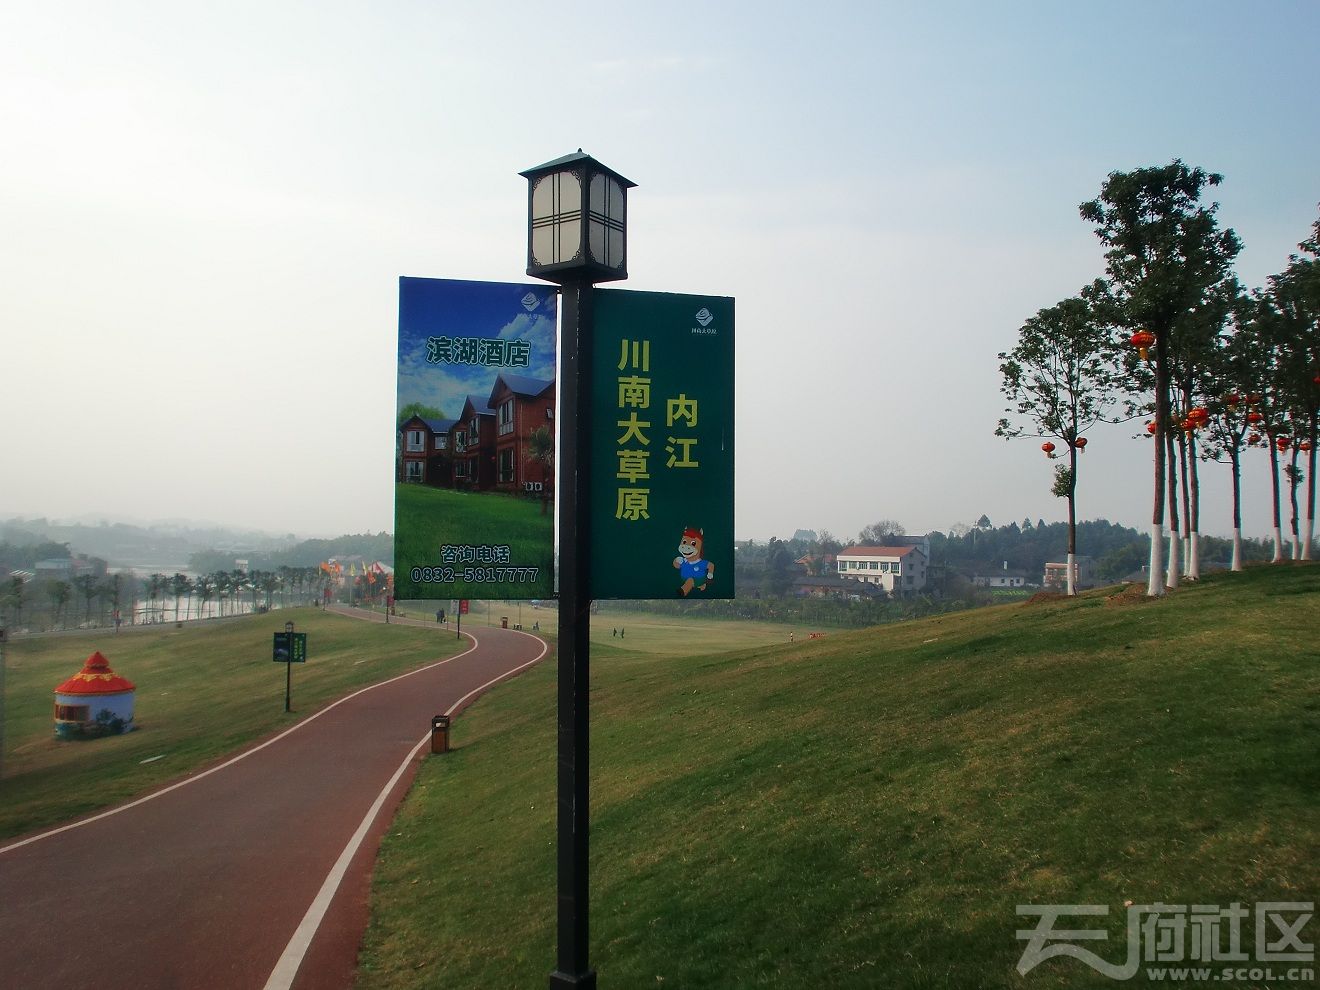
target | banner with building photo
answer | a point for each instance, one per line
(662, 446)
(474, 440)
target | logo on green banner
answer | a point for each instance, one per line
(662, 446)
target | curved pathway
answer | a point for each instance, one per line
(253, 874)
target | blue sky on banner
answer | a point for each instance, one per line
(458, 310)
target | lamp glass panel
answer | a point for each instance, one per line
(543, 244)
(556, 218)
(606, 204)
(543, 198)
(568, 239)
(556, 193)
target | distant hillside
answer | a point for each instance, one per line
(124, 544)
(308, 553)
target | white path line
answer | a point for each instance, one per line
(282, 976)
(230, 762)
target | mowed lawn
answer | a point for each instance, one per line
(869, 809)
(617, 629)
(202, 691)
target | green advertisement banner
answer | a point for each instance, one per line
(662, 446)
(474, 440)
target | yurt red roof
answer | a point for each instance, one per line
(96, 677)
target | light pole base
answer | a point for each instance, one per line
(583, 981)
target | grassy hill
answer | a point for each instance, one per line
(203, 690)
(868, 809)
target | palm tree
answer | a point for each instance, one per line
(179, 586)
(60, 592)
(204, 586)
(238, 583)
(86, 583)
(223, 585)
(13, 599)
(156, 585)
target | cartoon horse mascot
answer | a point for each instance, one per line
(691, 567)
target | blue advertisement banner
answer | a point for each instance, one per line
(474, 440)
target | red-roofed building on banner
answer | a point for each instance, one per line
(94, 702)
(899, 570)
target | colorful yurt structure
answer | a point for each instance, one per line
(94, 702)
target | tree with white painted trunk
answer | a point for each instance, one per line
(1164, 253)
(1059, 381)
(1228, 430)
(1295, 297)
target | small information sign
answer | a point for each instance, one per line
(290, 647)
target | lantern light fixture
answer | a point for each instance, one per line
(577, 221)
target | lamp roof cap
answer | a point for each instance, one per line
(577, 157)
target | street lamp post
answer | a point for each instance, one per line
(576, 236)
(288, 668)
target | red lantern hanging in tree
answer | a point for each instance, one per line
(1150, 428)
(1254, 417)
(1253, 439)
(1081, 444)
(1305, 445)
(1254, 399)
(1232, 400)
(1048, 448)
(1283, 443)
(1142, 340)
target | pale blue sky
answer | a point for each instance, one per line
(207, 208)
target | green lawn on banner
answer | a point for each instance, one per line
(427, 518)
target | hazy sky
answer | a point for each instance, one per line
(205, 209)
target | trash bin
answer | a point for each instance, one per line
(504, 622)
(440, 734)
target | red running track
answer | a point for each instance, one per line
(225, 881)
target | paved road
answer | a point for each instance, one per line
(225, 880)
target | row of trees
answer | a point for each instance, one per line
(89, 600)
(1171, 337)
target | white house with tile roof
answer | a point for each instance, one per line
(898, 570)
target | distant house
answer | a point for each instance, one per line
(1005, 578)
(899, 570)
(67, 568)
(424, 452)
(812, 564)
(521, 405)
(832, 586)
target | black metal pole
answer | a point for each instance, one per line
(574, 411)
(288, 668)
